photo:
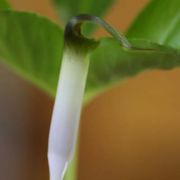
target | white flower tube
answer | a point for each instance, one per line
(69, 98)
(66, 114)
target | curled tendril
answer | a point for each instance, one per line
(73, 29)
(73, 36)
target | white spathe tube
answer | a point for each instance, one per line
(66, 113)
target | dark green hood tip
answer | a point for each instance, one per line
(74, 39)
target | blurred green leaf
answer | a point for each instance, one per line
(32, 46)
(4, 4)
(110, 63)
(69, 8)
(159, 22)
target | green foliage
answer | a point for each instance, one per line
(32, 46)
(35, 53)
(4, 4)
(159, 22)
(70, 8)
(111, 63)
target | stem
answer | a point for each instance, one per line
(69, 98)
(66, 114)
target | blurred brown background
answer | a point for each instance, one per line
(131, 132)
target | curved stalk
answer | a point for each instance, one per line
(69, 98)
(66, 113)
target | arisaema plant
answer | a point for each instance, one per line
(33, 47)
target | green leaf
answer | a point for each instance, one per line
(32, 46)
(159, 22)
(69, 8)
(4, 4)
(110, 63)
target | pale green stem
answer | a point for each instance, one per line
(70, 92)
(66, 114)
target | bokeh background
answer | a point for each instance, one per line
(131, 132)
